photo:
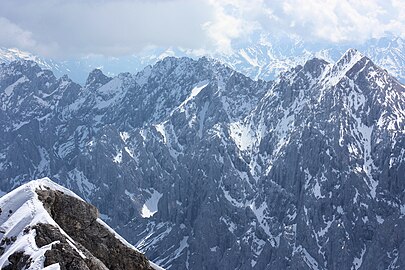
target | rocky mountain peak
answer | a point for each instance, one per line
(96, 79)
(349, 58)
(315, 66)
(15, 70)
(25, 66)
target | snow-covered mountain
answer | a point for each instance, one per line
(201, 167)
(78, 68)
(13, 54)
(265, 57)
(46, 226)
(262, 57)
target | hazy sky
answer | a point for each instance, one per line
(117, 27)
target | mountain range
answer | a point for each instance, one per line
(261, 57)
(202, 167)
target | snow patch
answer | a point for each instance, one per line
(118, 157)
(402, 210)
(231, 225)
(230, 199)
(183, 245)
(380, 220)
(201, 118)
(82, 182)
(124, 136)
(323, 231)
(260, 215)
(110, 93)
(10, 89)
(241, 135)
(150, 207)
(66, 148)
(194, 92)
(308, 259)
(368, 163)
(81, 254)
(346, 63)
(317, 191)
(161, 129)
(357, 262)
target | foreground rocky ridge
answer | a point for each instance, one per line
(204, 168)
(62, 233)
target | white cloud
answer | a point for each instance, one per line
(110, 27)
(326, 20)
(229, 23)
(71, 28)
(12, 35)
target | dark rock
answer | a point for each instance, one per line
(79, 220)
(96, 79)
(63, 252)
(18, 261)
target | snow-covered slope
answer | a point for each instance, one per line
(21, 209)
(23, 213)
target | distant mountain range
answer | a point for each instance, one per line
(201, 167)
(263, 57)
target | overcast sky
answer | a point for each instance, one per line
(70, 28)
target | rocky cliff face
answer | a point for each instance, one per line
(51, 228)
(204, 168)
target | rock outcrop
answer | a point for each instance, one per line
(50, 227)
(80, 221)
